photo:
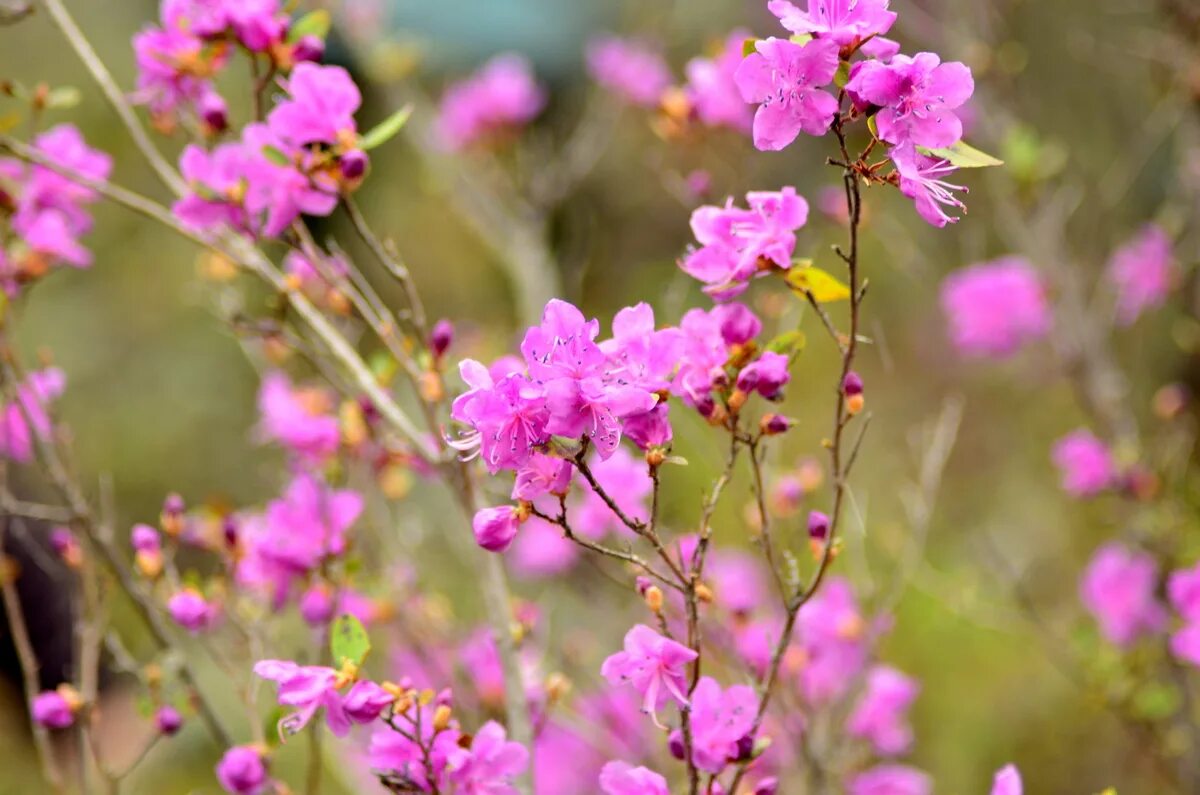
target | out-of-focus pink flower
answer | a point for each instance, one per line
(1085, 463)
(622, 778)
(1142, 271)
(890, 780)
(833, 638)
(306, 688)
(501, 96)
(320, 108)
(403, 756)
(713, 91)
(490, 765)
(631, 69)
(880, 716)
(243, 771)
(52, 710)
(720, 720)
(168, 720)
(996, 307)
(654, 665)
(1118, 590)
(842, 21)
(785, 80)
(191, 610)
(299, 419)
(1183, 589)
(26, 417)
(1007, 781)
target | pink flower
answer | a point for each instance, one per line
(766, 375)
(403, 760)
(1183, 589)
(52, 710)
(541, 551)
(216, 186)
(621, 778)
(922, 179)
(508, 417)
(541, 475)
(27, 417)
(491, 764)
(307, 688)
(320, 108)
(834, 638)
(258, 23)
(738, 580)
(712, 88)
(843, 21)
(495, 528)
(638, 353)
(702, 363)
(785, 79)
(366, 701)
(243, 771)
(995, 307)
(720, 720)
(299, 419)
(891, 780)
(654, 665)
(738, 244)
(502, 95)
(630, 69)
(278, 194)
(1142, 271)
(191, 610)
(917, 96)
(1085, 463)
(1118, 590)
(880, 714)
(1007, 781)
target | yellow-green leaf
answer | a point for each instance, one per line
(348, 640)
(384, 131)
(823, 287)
(748, 46)
(314, 23)
(963, 155)
(63, 97)
(788, 343)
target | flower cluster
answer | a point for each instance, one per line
(500, 98)
(47, 211)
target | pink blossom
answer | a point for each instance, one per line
(737, 578)
(738, 244)
(785, 79)
(656, 667)
(833, 637)
(175, 65)
(922, 179)
(564, 761)
(490, 765)
(1085, 463)
(307, 688)
(1183, 590)
(702, 363)
(638, 353)
(366, 701)
(621, 778)
(541, 551)
(191, 610)
(1118, 589)
(541, 475)
(320, 108)
(243, 771)
(720, 719)
(917, 97)
(890, 780)
(277, 194)
(631, 69)
(168, 720)
(299, 419)
(766, 375)
(215, 188)
(404, 761)
(712, 88)
(502, 95)
(26, 417)
(51, 710)
(995, 307)
(1142, 271)
(1007, 781)
(880, 714)
(259, 24)
(508, 417)
(843, 21)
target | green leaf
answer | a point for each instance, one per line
(963, 155)
(800, 38)
(748, 46)
(386, 130)
(1156, 701)
(824, 288)
(314, 23)
(348, 640)
(63, 97)
(788, 343)
(842, 76)
(276, 156)
(872, 126)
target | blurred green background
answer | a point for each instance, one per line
(1091, 98)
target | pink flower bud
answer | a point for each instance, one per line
(190, 610)
(145, 538)
(495, 528)
(52, 710)
(366, 701)
(354, 164)
(168, 720)
(852, 384)
(214, 112)
(316, 605)
(242, 771)
(441, 337)
(309, 48)
(818, 525)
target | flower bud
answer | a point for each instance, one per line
(148, 563)
(229, 530)
(64, 543)
(171, 518)
(354, 166)
(309, 48)
(168, 720)
(818, 525)
(768, 786)
(737, 400)
(495, 528)
(441, 337)
(441, 718)
(317, 605)
(653, 597)
(190, 610)
(704, 593)
(55, 709)
(243, 770)
(557, 686)
(214, 113)
(852, 388)
(775, 424)
(676, 745)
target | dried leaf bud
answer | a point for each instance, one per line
(654, 598)
(557, 687)
(704, 593)
(432, 390)
(441, 718)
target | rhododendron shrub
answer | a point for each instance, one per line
(734, 656)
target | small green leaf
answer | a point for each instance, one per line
(963, 155)
(314, 23)
(872, 126)
(276, 156)
(349, 640)
(1156, 701)
(63, 97)
(563, 447)
(842, 76)
(800, 38)
(749, 46)
(824, 288)
(676, 460)
(788, 343)
(386, 130)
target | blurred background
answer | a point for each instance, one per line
(1092, 103)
